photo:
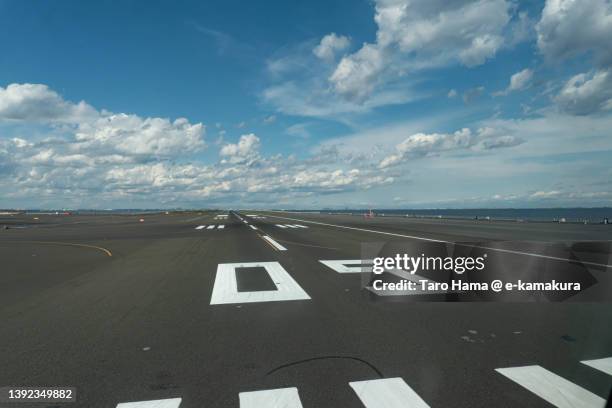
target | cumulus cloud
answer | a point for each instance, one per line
(584, 94)
(569, 27)
(247, 148)
(330, 45)
(36, 102)
(416, 34)
(518, 81)
(423, 144)
(96, 134)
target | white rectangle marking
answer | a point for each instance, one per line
(221, 226)
(291, 226)
(163, 403)
(552, 388)
(280, 226)
(252, 227)
(225, 289)
(278, 398)
(387, 393)
(210, 227)
(601, 364)
(340, 266)
(199, 227)
(300, 226)
(274, 243)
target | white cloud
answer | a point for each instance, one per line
(422, 144)
(421, 33)
(36, 102)
(584, 94)
(356, 75)
(520, 80)
(269, 119)
(330, 45)
(246, 148)
(569, 28)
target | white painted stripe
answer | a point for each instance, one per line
(300, 226)
(274, 243)
(601, 364)
(291, 226)
(387, 393)
(210, 227)
(199, 227)
(225, 289)
(280, 226)
(163, 403)
(340, 266)
(221, 226)
(509, 251)
(278, 398)
(552, 388)
(252, 227)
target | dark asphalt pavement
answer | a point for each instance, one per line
(121, 309)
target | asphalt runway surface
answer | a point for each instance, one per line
(128, 312)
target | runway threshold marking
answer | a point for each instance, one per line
(552, 388)
(601, 364)
(199, 227)
(555, 258)
(277, 398)
(106, 251)
(225, 288)
(387, 393)
(163, 403)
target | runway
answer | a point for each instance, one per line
(142, 311)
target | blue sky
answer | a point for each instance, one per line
(386, 103)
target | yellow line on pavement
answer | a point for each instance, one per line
(106, 251)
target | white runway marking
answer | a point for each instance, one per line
(340, 266)
(387, 393)
(210, 227)
(278, 398)
(509, 251)
(274, 243)
(199, 227)
(252, 227)
(300, 226)
(601, 364)
(280, 226)
(221, 226)
(291, 226)
(225, 289)
(552, 388)
(163, 403)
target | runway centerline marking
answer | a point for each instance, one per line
(387, 393)
(277, 398)
(225, 289)
(552, 388)
(274, 243)
(555, 258)
(163, 403)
